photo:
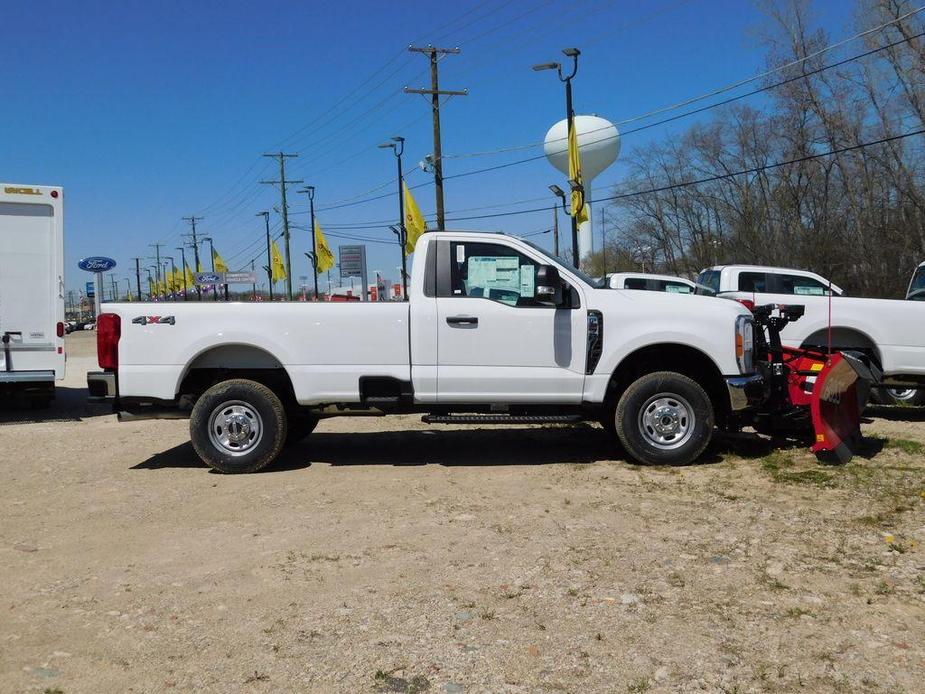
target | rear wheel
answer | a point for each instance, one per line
(664, 418)
(238, 426)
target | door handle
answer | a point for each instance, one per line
(462, 320)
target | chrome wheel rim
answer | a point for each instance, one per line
(235, 428)
(902, 393)
(666, 421)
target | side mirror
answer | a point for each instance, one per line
(548, 288)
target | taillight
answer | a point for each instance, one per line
(108, 332)
(747, 303)
(60, 329)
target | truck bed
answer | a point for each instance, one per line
(324, 347)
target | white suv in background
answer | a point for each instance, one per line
(651, 282)
(916, 291)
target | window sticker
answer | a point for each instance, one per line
(494, 272)
(677, 289)
(808, 291)
(460, 253)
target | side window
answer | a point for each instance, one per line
(753, 282)
(801, 286)
(635, 283)
(492, 271)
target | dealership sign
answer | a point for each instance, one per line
(97, 263)
(203, 278)
(352, 261)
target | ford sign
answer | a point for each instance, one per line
(97, 263)
(209, 278)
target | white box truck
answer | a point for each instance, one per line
(31, 292)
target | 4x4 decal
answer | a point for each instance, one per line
(144, 320)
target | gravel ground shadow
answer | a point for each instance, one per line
(471, 447)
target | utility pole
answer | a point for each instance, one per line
(255, 281)
(266, 218)
(397, 145)
(183, 260)
(310, 191)
(555, 230)
(128, 287)
(138, 277)
(192, 220)
(282, 182)
(435, 95)
(115, 287)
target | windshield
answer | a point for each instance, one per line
(598, 283)
(918, 279)
(710, 280)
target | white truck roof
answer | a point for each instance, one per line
(736, 269)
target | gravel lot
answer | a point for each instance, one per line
(381, 555)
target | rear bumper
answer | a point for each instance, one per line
(102, 386)
(745, 391)
(27, 377)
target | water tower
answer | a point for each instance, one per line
(598, 148)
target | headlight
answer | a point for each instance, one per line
(745, 344)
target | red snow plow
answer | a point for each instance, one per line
(810, 390)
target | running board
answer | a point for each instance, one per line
(501, 419)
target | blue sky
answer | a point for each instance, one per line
(149, 111)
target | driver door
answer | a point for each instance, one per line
(495, 341)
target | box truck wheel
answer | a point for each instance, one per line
(664, 418)
(238, 426)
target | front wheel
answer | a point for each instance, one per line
(238, 426)
(664, 418)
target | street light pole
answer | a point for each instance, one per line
(397, 145)
(183, 260)
(212, 254)
(266, 218)
(310, 191)
(173, 266)
(576, 186)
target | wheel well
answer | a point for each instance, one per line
(235, 361)
(682, 359)
(844, 338)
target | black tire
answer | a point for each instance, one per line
(299, 426)
(674, 403)
(238, 408)
(902, 397)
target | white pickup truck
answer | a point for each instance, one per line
(495, 332)
(891, 332)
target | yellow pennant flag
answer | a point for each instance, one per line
(414, 220)
(178, 280)
(219, 263)
(171, 285)
(323, 255)
(279, 267)
(162, 288)
(190, 279)
(579, 209)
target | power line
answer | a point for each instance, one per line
(721, 90)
